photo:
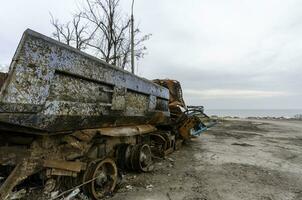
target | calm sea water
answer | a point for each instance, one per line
(253, 113)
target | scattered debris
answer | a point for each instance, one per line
(50, 185)
(54, 194)
(72, 194)
(129, 187)
(82, 196)
(168, 195)
(257, 123)
(243, 144)
(18, 195)
(149, 187)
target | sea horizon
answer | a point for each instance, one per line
(243, 113)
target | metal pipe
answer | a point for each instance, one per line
(132, 39)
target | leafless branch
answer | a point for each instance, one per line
(100, 27)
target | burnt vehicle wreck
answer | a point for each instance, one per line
(73, 120)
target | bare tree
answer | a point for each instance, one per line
(74, 33)
(102, 28)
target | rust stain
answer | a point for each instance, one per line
(52, 88)
(66, 113)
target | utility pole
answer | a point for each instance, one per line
(132, 39)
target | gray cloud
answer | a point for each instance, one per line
(227, 54)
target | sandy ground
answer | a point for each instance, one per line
(237, 159)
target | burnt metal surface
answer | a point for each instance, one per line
(176, 97)
(52, 87)
(82, 115)
(65, 165)
(127, 130)
(189, 120)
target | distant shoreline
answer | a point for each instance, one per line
(258, 118)
(256, 113)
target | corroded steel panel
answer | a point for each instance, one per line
(127, 131)
(52, 87)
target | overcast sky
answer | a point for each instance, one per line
(226, 53)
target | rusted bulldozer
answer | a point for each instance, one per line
(73, 121)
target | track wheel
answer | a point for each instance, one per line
(135, 157)
(103, 177)
(159, 144)
(144, 158)
(141, 158)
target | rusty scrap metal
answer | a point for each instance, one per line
(127, 130)
(175, 91)
(190, 120)
(20, 172)
(65, 165)
(64, 113)
(104, 178)
(50, 83)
